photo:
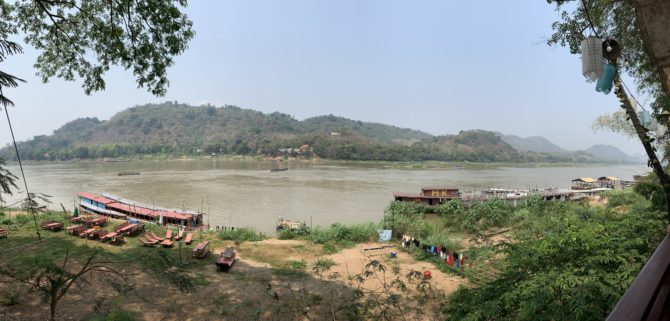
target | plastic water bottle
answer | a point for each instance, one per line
(606, 81)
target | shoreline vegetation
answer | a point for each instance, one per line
(447, 165)
(514, 255)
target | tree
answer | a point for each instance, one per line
(6, 180)
(618, 20)
(81, 39)
(54, 280)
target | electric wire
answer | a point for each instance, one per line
(588, 18)
(23, 175)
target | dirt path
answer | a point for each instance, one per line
(352, 261)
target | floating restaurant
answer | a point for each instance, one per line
(431, 195)
(116, 207)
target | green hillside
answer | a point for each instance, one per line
(179, 129)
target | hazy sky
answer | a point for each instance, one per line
(437, 66)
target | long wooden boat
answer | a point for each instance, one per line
(113, 206)
(283, 169)
(128, 173)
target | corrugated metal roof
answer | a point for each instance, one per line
(585, 180)
(93, 197)
(430, 188)
(411, 195)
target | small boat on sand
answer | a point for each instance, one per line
(226, 259)
(283, 169)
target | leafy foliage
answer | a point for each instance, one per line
(82, 39)
(344, 235)
(566, 255)
(7, 180)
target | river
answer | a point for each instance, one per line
(245, 193)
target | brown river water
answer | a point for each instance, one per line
(245, 193)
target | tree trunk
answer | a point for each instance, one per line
(641, 131)
(52, 307)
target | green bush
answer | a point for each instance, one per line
(118, 314)
(343, 234)
(242, 234)
(653, 192)
(11, 298)
(566, 253)
(291, 234)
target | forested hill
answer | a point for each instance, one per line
(178, 129)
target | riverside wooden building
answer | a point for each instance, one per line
(430, 195)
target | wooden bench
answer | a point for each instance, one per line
(156, 237)
(168, 234)
(84, 234)
(75, 230)
(54, 227)
(147, 242)
(117, 240)
(180, 234)
(150, 239)
(189, 238)
(108, 236)
(121, 226)
(201, 250)
(97, 234)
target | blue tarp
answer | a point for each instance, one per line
(384, 235)
(133, 220)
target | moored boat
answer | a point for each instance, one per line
(113, 206)
(283, 224)
(128, 173)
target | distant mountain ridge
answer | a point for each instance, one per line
(607, 153)
(611, 153)
(178, 129)
(532, 144)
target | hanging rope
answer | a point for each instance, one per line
(588, 18)
(630, 93)
(23, 175)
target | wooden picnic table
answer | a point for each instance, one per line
(127, 228)
(85, 233)
(108, 236)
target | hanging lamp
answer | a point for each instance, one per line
(592, 58)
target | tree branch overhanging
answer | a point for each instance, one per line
(641, 131)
